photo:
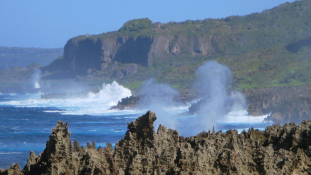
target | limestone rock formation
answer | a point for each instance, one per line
(133, 101)
(127, 103)
(12, 170)
(276, 150)
(81, 55)
(56, 157)
(286, 104)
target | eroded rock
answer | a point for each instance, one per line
(276, 150)
(284, 104)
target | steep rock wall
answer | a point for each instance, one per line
(285, 104)
(80, 55)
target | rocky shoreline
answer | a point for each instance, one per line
(276, 150)
(284, 104)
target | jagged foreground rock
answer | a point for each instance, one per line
(277, 150)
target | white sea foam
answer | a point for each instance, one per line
(10, 152)
(233, 117)
(53, 111)
(37, 85)
(94, 104)
(241, 116)
(100, 103)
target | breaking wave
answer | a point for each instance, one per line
(94, 104)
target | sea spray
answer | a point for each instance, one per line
(212, 82)
(97, 103)
(35, 78)
(111, 92)
(159, 98)
(94, 104)
(238, 101)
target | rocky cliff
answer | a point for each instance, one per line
(276, 150)
(284, 104)
(80, 55)
(142, 42)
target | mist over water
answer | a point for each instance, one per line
(35, 78)
(212, 79)
(211, 84)
(27, 119)
(159, 98)
(238, 101)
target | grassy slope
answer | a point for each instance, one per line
(253, 47)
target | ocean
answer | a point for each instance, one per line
(26, 121)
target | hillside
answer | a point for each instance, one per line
(265, 49)
(22, 57)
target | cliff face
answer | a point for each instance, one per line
(277, 150)
(286, 104)
(80, 55)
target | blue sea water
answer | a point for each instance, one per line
(26, 121)
(28, 128)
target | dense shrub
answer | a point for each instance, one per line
(136, 25)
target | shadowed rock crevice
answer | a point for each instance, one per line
(134, 50)
(295, 47)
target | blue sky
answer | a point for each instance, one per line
(49, 24)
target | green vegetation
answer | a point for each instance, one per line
(286, 23)
(136, 25)
(270, 67)
(255, 47)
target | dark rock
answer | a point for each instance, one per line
(118, 74)
(276, 150)
(127, 103)
(12, 170)
(56, 157)
(132, 101)
(114, 65)
(284, 104)
(129, 69)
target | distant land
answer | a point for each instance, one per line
(267, 49)
(23, 56)
(268, 54)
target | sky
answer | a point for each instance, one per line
(50, 24)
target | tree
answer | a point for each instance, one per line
(136, 25)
